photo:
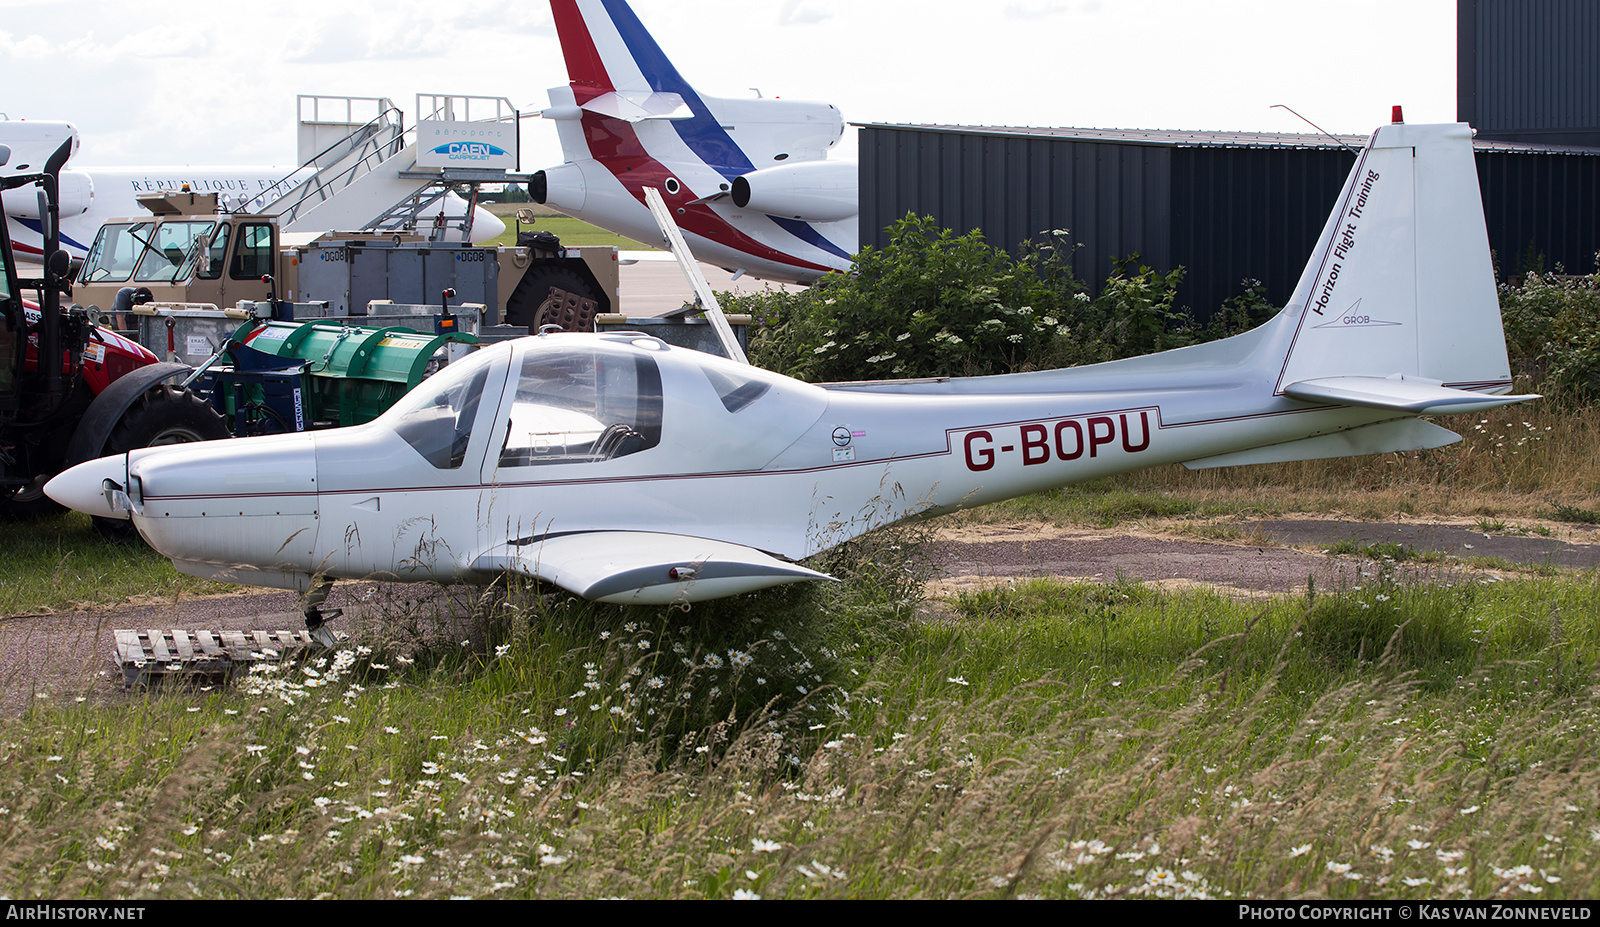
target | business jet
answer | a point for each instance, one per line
(623, 470)
(92, 196)
(746, 180)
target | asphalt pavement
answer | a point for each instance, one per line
(652, 288)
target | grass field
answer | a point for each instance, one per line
(572, 232)
(1034, 741)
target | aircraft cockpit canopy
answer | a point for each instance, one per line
(588, 399)
(436, 418)
(582, 404)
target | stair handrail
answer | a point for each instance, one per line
(265, 199)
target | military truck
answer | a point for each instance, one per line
(189, 250)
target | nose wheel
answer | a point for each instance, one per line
(316, 618)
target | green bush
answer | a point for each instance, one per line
(928, 304)
(931, 304)
(1553, 332)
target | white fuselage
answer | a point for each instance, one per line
(720, 233)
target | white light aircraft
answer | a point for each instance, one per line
(92, 196)
(624, 470)
(747, 181)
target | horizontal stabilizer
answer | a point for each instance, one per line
(633, 106)
(1411, 396)
(643, 567)
(1406, 434)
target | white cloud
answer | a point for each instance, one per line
(801, 13)
(198, 82)
(1034, 9)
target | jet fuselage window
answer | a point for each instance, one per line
(736, 392)
(581, 407)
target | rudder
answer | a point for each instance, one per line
(1401, 283)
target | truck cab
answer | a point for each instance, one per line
(187, 251)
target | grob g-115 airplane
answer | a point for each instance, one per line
(624, 470)
(747, 181)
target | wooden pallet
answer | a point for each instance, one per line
(147, 657)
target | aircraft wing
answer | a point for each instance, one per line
(1412, 396)
(643, 567)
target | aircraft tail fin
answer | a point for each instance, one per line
(608, 49)
(1397, 307)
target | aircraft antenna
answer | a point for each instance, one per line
(1313, 125)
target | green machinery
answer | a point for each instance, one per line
(293, 376)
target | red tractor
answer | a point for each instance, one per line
(104, 395)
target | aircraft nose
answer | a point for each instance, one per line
(97, 487)
(486, 226)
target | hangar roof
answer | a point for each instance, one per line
(1181, 138)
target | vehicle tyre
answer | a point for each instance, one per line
(163, 415)
(534, 288)
(28, 502)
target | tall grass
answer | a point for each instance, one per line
(1033, 740)
(56, 562)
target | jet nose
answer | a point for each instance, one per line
(97, 487)
(486, 226)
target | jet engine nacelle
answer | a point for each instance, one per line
(559, 186)
(76, 194)
(32, 142)
(812, 191)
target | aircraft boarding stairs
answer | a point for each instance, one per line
(364, 174)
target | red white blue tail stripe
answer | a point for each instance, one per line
(629, 120)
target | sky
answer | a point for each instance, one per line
(196, 82)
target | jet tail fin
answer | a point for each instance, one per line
(606, 46)
(1401, 286)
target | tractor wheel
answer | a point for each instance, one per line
(163, 415)
(534, 288)
(28, 502)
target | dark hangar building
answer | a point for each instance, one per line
(1231, 206)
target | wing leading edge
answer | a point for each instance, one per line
(643, 567)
